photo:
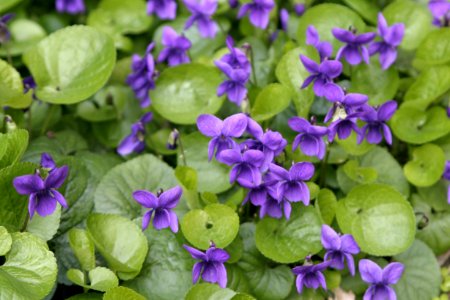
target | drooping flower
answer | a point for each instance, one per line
(72, 7)
(310, 137)
(161, 206)
(211, 265)
(446, 175)
(47, 162)
(43, 194)
(5, 34)
(259, 12)
(135, 141)
(310, 276)
(291, 184)
(236, 58)
(322, 75)
(246, 166)
(391, 37)
(175, 47)
(234, 86)
(339, 249)
(164, 9)
(202, 15)
(142, 78)
(440, 9)
(355, 50)
(380, 280)
(323, 47)
(284, 19)
(299, 9)
(376, 120)
(222, 132)
(28, 84)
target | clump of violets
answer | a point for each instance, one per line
(310, 276)
(324, 48)
(258, 11)
(221, 132)
(376, 127)
(142, 78)
(355, 50)
(42, 191)
(440, 9)
(164, 9)
(5, 34)
(161, 207)
(175, 48)
(72, 7)
(380, 280)
(211, 265)
(339, 249)
(202, 12)
(391, 37)
(135, 141)
(310, 137)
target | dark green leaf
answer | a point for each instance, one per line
(423, 171)
(265, 106)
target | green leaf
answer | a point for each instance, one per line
(208, 291)
(120, 242)
(235, 250)
(325, 17)
(359, 174)
(5, 241)
(101, 279)
(435, 196)
(415, 16)
(5, 5)
(158, 141)
(415, 126)
(121, 293)
(14, 144)
(352, 147)
(24, 34)
(382, 86)
(212, 176)
(76, 276)
(288, 241)
(266, 283)
(167, 270)
(421, 277)
(367, 9)
(184, 92)
(265, 107)
(429, 86)
(71, 64)
(423, 171)
(11, 88)
(434, 50)
(30, 269)
(326, 204)
(145, 172)
(83, 247)
(216, 222)
(373, 209)
(13, 212)
(187, 177)
(45, 227)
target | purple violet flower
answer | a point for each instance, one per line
(142, 78)
(72, 7)
(164, 9)
(259, 12)
(274, 207)
(234, 87)
(440, 9)
(284, 19)
(42, 192)
(354, 51)
(299, 9)
(236, 58)
(310, 276)
(324, 48)
(202, 15)
(446, 175)
(376, 120)
(339, 248)
(258, 194)
(161, 205)
(135, 141)
(28, 84)
(175, 48)
(310, 137)
(47, 162)
(322, 75)
(211, 267)
(5, 34)
(233, 3)
(391, 38)
(246, 166)
(380, 279)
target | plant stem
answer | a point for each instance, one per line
(323, 171)
(182, 154)
(24, 227)
(252, 56)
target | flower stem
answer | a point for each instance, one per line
(25, 224)
(182, 154)
(323, 169)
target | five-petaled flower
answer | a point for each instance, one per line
(202, 15)
(259, 12)
(354, 51)
(310, 276)
(236, 58)
(380, 279)
(5, 34)
(42, 192)
(164, 9)
(376, 120)
(310, 137)
(175, 47)
(211, 267)
(135, 141)
(70, 6)
(222, 132)
(161, 206)
(339, 248)
(391, 37)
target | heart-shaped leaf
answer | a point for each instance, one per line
(426, 166)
